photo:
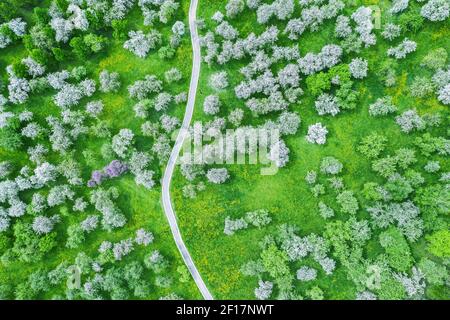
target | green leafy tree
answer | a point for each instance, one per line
(347, 97)
(435, 273)
(10, 139)
(40, 56)
(318, 83)
(411, 21)
(435, 59)
(372, 145)
(38, 281)
(79, 47)
(6, 290)
(94, 42)
(5, 242)
(348, 202)
(40, 15)
(59, 54)
(19, 69)
(439, 243)
(434, 203)
(275, 262)
(399, 188)
(119, 29)
(339, 236)
(385, 167)
(24, 292)
(371, 191)
(391, 289)
(75, 236)
(315, 293)
(184, 274)
(341, 73)
(166, 52)
(397, 249)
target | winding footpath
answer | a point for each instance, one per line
(167, 202)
